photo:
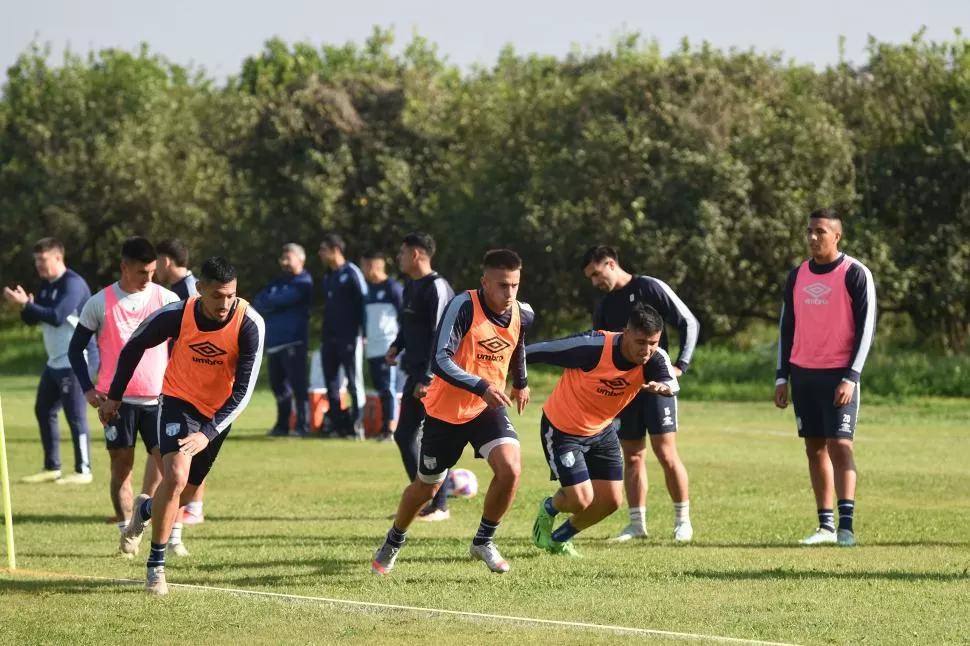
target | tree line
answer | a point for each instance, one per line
(700, 166)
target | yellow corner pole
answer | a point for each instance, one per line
(7, 512)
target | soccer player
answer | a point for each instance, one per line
(285, 305)
(604, 371)
(479, 341)
(344, 323)
(385, 298)
(209, 381)
(173, 268)
(828, 320)
(425, 298)
(649, 413)
(58, 305)
(111, 316)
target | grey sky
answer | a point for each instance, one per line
(219, 34)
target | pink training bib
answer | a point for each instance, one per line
(119, 325)
(824, 323)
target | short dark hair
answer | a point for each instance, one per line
(174, 249)
(372, 254)
(825, 214)
(48, 244)
(420, 240)
(138, 249)
(599, 253)
(333, 241)
(645, 319)
(219, 270)
(502, 259)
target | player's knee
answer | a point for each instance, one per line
(508, 472)
(177, 473)
(611, 502)
(122, 462)
(633, 459)
(668, 458)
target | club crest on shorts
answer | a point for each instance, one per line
(568, 459)
(430, 462)
(111, 433)
(172, 429)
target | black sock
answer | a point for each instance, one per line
(486, 532)
(826, 519)
(846, 511)
(157, 556)
(395, 537)
(146, 510)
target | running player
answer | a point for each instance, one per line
(604, 371)
(649, 413)
(480, 339)
(112, 315)
(209, 381)
(828, 320)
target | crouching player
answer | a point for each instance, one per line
(604, 371)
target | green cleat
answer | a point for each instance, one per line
(566, 549)
(542, 528)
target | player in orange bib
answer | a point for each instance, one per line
(211, 375)
(479, 341)
(604, 371)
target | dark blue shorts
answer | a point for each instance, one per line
(443, 443)
(574, 459)
(133, 420)
(178, 419)
(812, 396)
(647, 414)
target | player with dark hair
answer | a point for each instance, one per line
(344, 327)
(60, 299)
(604, 371)
(828, 321)
(479, 341)
(649, 414)
(112, 315)
(173, 268)
(209, 381)
(425, 296)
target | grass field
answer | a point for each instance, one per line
(303, 517)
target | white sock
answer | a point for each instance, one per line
(682, 512)
(176, 535)
(638, 517)
(122, 524)
(194, 508)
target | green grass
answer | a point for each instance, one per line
(304, 517)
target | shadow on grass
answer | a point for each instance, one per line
(59, 519)
(795, 575)
(16, 583)
(794, 544)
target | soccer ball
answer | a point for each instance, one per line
(461, 483)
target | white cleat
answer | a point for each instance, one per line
(489, 553)
(384, 558)
(131, 538)
(683, 532)
(846, 538)
(630, 532)
(821, 536)
(155, 581)
(75, 479)
(178, 549)
(43, 476)
(434, 515)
